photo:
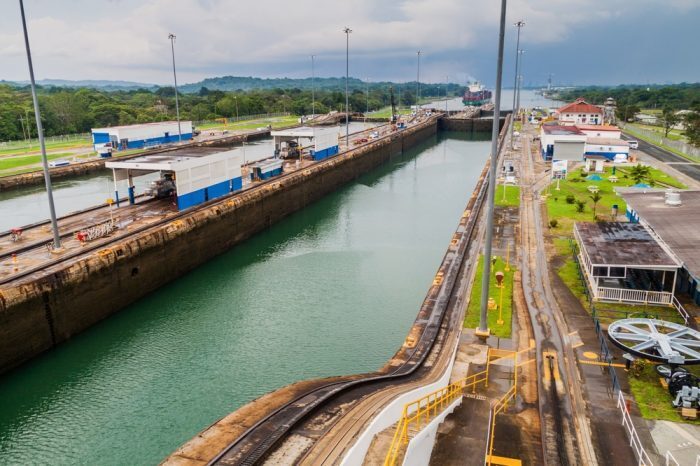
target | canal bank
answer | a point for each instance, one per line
(330, 290)
(45, 308)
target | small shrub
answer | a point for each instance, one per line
(637, 368)
(553, 223)
(580, 206)
(570, 199)
(556, 199)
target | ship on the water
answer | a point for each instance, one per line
(476, 95)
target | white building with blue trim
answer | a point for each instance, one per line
(140, 136)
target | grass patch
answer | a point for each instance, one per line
(244, 125)
(23, 148)
(386, 112)
(657, 177)
(512, 196)
(14, 162)
(653, 400)
(471, 320)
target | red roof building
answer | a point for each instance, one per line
(580, 112)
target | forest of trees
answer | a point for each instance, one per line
(75, 110)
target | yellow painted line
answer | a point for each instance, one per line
(590, 355)
(601, 363)
(503, 461)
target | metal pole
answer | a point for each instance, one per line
(171, 36)
(447, 83)
(483, 329)
(40, 134)
(418, 84)
(347, 31)
(519, 24)
(313, 88)
(520, 81)
(367, 111)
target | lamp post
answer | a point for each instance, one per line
(40, 135)
(347, 32)
(235, 98)
(447, 83)
(171, 36)
(418, 83)
(483, 330)
(313, 88)
(519, 25)
(520, 81)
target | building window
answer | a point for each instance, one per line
(600, 271)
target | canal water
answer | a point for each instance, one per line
(27, 205)
(332, 289)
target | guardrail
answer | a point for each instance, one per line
(421, 412)
(635, 443)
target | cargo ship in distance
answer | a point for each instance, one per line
(476, 95)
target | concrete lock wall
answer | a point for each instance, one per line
(39, 313)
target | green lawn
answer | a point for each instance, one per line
(22, 148)
(276, 122)
(657, 176)
(512, 196)
(471, 319)
(386, 112)
(577, 186)
(13, 162)
(653, 400)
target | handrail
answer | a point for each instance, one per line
(635, 442)
(426, 409)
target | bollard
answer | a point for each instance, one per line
(14, 261)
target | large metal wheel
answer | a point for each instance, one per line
(657, 340)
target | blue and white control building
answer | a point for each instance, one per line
(322, 142)
(140, 136)
(198, 177)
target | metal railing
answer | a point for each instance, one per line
(419, 413)
(634, 296)
(635, 443)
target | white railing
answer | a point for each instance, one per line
(634, 296)
(686, 317)
(670, 460)
(635, 443)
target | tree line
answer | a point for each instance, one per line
(77, 110)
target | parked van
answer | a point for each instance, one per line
(633, 144)
(58, 163)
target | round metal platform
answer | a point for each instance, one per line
(657, 340)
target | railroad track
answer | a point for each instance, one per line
(254, 445)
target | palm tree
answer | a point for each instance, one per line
(640, 173)
(595, 197)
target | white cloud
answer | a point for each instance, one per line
(128, 39)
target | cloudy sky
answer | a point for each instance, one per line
(578, 41)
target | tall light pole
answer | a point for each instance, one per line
(347, 32)
(447, 84)
(313, 88)
(235, 98)
(367, 83)
(520, 81)
(418, 83)
(519, 25)
(171, 36)
(40, 134)
(483, 329)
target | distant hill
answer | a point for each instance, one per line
(105, 85)
(234, 83)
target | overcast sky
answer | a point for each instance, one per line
(578, 41)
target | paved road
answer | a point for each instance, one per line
(679, 163)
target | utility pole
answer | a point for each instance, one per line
(418, 84)
(519, 25)
(313, 88)
(447, 84)
(171, 36)
(40, 134)
(483, 329)
(367, 111)
(347, 32)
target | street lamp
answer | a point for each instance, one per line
(313, 88)
(520, 81)
(447, 84)
(40, 134)
(519, 25)
(347, 32)
(235, 98)
(418, 83)
(483, 329)
(171, 36)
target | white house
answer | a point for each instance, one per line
(612, 149)
(141, 135)
(579, 112)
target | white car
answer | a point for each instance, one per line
(58, 163)
(633, 144)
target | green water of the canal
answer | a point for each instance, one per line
(330, 290)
